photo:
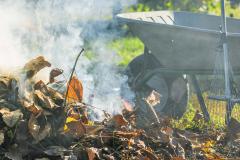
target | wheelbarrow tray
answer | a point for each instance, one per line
(184, 40)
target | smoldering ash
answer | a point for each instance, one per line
(57, 30)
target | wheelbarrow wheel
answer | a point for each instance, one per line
(173, 91)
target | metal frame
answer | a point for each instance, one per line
(192, 74)
(147, 74)
(228, 77)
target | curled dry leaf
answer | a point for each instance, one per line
(54, 73)
(56, 96)
(35, 65)
(40, 85)
(31, 107)
(75, 90)
(11, 117)
(43, 100)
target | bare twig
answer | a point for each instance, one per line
(73, 69)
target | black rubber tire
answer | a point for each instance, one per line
(171, 108)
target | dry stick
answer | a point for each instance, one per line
(74, 66)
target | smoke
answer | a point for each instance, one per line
(58, 29)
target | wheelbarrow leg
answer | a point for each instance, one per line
(200, 98)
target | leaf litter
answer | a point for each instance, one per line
(39, 126)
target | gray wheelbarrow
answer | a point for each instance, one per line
(176, 44)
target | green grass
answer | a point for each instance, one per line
(127, 48)
(217, 111)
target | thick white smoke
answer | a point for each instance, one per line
(58, 29)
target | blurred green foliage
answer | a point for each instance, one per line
(207, 6)
(130, 47)
(127, 48)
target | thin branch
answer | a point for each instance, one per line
(73, 69)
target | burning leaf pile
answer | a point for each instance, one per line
(37, 124)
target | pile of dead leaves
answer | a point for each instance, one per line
(35, 123)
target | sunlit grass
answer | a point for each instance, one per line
(216, 109)
(127, 48)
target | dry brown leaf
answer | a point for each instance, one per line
(75, 90)
(33, 108)
(213, 156)
(167, 131)
(4, 82)
(92, 153)
(54, 73)
(55, 95)
(4, 111)
(149, 154)
(43, 100)
(93, 129)
(35, 65)
(11, 117)
(164, 138)
(40, 85)
(73, 113)
(76, 128)
(119, 121)
(153, 99)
